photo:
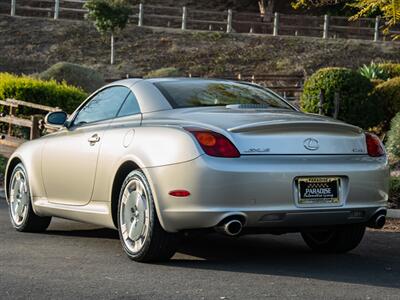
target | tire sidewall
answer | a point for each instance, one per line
(341, 240)
(138, 175)
(21, 227)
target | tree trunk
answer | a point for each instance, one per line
(112, 49)
(262, 6)
(266, 9)
(270, 9)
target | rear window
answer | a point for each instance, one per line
(192, 93)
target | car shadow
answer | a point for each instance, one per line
(375, 262)
(281, 256)
(88, 233)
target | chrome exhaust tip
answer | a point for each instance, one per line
(231, 228)
(380, 221)
(377, 221)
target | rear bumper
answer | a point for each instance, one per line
(262, 190)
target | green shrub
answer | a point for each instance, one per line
(164, 72)
(73, 74)
(388, 92)
(392, 70)
(395, 192)
(373, 71)
(393, 139)
(357, 105)
(376, 82)
(38, 91)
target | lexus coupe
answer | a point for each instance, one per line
(155, 158)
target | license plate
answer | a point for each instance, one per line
(318, 190)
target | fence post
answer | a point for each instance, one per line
(376, 34)
(35, 132)
(56, 9)
(326, 27)
(276, 24)
(13, 4)
(11, 113)
(140, 18)
(229, 21)
(184, 17)
(337, 105)
(321, 102)
(112, 49)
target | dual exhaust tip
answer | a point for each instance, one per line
(378, 221)
(232, 227)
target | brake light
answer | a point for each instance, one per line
(214, 144)
(374, 145)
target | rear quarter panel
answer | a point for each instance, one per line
(146, 146)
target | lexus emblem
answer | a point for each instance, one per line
(311, 144)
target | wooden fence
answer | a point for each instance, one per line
(9, 141)
(289, 86)
(228, 21)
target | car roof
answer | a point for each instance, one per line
(131, 81)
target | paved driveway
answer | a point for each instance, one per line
(74, 260)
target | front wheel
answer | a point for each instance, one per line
(22, 216)
(140, 232)
(339, 240)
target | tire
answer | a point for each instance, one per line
(339, 240)
(142, 237)
(22, 216)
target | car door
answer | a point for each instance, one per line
(118, 138)
(69, 158)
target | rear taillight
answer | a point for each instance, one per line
(214, 144)
(374, 145)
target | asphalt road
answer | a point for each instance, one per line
(73, 260)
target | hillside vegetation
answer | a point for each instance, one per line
(31, 45)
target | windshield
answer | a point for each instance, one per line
(192, 93)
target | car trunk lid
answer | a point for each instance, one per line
(274, 131)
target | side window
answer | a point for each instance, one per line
(130, 106)
(103, 106)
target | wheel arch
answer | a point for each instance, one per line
(119, 177)
(124, 169)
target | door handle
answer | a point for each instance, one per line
(94, 139)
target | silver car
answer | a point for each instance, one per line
(156, 158)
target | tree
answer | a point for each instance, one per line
(108, 16)
(266, 8)
(389, 9)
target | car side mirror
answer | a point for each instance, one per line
(56, 119)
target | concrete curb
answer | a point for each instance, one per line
(393, 213)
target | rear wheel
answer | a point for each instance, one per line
(338, 240)
(141, 234)
(22, 216)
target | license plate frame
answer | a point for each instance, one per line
(319, 191)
